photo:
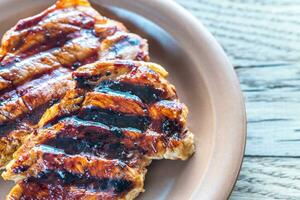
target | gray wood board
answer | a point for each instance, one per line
(268, 178)
(262, 39)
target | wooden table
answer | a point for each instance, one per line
(262, 39)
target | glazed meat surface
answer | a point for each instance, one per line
(102, 135)
(38, 55)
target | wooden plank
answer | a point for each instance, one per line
(273, 102)
(268, 178)
(252, 33)
(262, 39)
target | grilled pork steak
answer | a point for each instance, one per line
(38, 55)
(102, 135)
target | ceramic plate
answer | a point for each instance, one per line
(205, 81)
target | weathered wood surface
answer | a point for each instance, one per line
(268, 178)
(262, 39)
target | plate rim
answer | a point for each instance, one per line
(198, 28)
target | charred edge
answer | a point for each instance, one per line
(91, 138)
(170, 128)
(87, 84)
(20, 169)
(93, 144)
(50, 180)
(116, 119)
(147, 94)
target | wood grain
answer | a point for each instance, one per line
(262, 39)
(268, 178)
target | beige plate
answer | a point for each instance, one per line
(205, 80)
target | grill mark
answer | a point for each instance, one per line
(21, 169)
(147, 83)
(51, 180)
(147, 94)
(34, 94)
(57, 154)
(44, 31)
(25, 70)
(20, 46)
(135, 142)
(25, 122)
(86, 146)
(168, 117)
(125, 103)
(57, 88)
(165, 117)
(28, 118)
(56, 159)
(80, 50)
(112, 118)
(97, 144)
(56, 38)
(128, 142)
(52, 40)
(23, 89)
(171, 128)
(51, 158)
(45, 62)
(50, 43)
